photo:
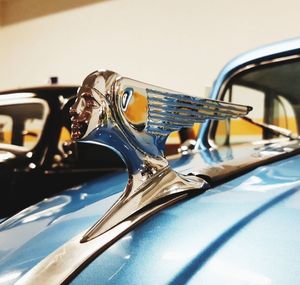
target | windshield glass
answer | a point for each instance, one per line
(22, 121)
(273, 92)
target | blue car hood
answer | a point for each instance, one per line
(245, 231)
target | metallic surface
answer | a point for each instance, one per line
(159, 190)
(219, 165)
(34, 233)
(281, 51)
(275, 129)
(52, 223)
(169, 111)
(134, 119)
(245, 231)
(257, 212)
(59, 266)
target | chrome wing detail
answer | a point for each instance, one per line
(134, 119)
(169, 112)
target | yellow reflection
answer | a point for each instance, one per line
(137, 109)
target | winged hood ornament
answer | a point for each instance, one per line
(135, 119)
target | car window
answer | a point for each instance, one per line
(287, 115)
(238, 130)
(273, 96)
(176, 139)
(22, 121)
(64, 136)
(5, 129)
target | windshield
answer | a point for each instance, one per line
(22, 121)
(273, 92)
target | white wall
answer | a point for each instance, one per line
(177, 44)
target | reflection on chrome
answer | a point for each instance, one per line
(134, 119)
(127, 237)
(16, 96)
(10, 277)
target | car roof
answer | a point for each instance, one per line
(266, 52)
(66, 90)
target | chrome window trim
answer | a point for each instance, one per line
(62, 265)
(25, 98)
(220, 93)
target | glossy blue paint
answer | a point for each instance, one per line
(49, 224)
(34, 233)
(275, 50)
(246, 231)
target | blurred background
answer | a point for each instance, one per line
(181, 45)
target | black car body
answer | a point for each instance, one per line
(37, 157)
(242, 229)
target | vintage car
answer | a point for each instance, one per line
(37, 157)
(225, 212)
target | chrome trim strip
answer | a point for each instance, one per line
(119, 113)
(135, 119)
(210, 125)
(168, 112)
(63, 264)
(165, 183)
(253, 65)
(25, 98)
(18, 96)
(262, 153)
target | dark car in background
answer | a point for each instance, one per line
(37, 156)
(241, 226)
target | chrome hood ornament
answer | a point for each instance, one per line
(135, 119)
